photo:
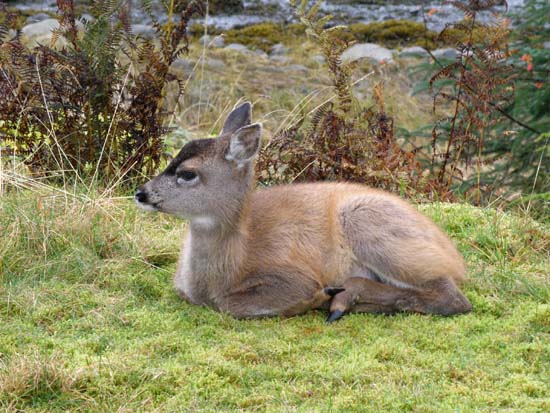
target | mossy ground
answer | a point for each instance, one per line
(90, 322)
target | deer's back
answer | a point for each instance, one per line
(313, 228)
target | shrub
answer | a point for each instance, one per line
(88, 107)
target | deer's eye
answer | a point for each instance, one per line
(187, 177)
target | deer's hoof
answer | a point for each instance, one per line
(335, 315)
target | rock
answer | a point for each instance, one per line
(211, 41)
(278, 49)
(35, 18)
(183, 65)
(445, 54)
(188, 66)
(280, 59)
(297, 68)
(41, 33)
(39, 29)
(260, 53)
(371, 51)
(144, 30)
(237, 47)
(87, 18)
(215, 64)
(546, 45)
(318, 58)
(414, 51)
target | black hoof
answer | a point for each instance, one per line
(332, 291)
(335, 315)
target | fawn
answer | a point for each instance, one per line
(288, 249)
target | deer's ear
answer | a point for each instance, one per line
(244, 144)
(239, 117)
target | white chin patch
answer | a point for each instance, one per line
(146, 207)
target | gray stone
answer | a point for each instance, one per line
(35, 18)
(144, 30)
(184, 65)
(211, 41)
(414, 51)
(546, 45)
(215, 64)
(278, 49)
(319, 58)
(370, 51)
(260, 53)
(446, 54)
(87, 17)
(39, 29)
(42, 33)
(280, 59)
(297, 68)
(237, 47)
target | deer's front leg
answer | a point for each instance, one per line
(274, 295)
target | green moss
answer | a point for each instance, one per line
(258, 36)
(392, 33)
(459, 33)
(197, 30)
(295, 29)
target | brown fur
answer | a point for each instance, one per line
(274, 251)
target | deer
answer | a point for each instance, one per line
(287, 249)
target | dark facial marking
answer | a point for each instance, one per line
(190, 150)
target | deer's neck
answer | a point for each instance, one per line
(219, 244)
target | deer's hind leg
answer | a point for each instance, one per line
(406, 262)
(365, 295)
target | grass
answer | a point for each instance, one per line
(90, 322)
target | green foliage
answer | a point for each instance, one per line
(91, 323)
(95, 105)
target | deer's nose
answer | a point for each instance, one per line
(141, 196)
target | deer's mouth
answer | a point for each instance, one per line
(148, 207)
(142, 201)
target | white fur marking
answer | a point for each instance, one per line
(203, 222)
(146, 207)
(183, 276)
